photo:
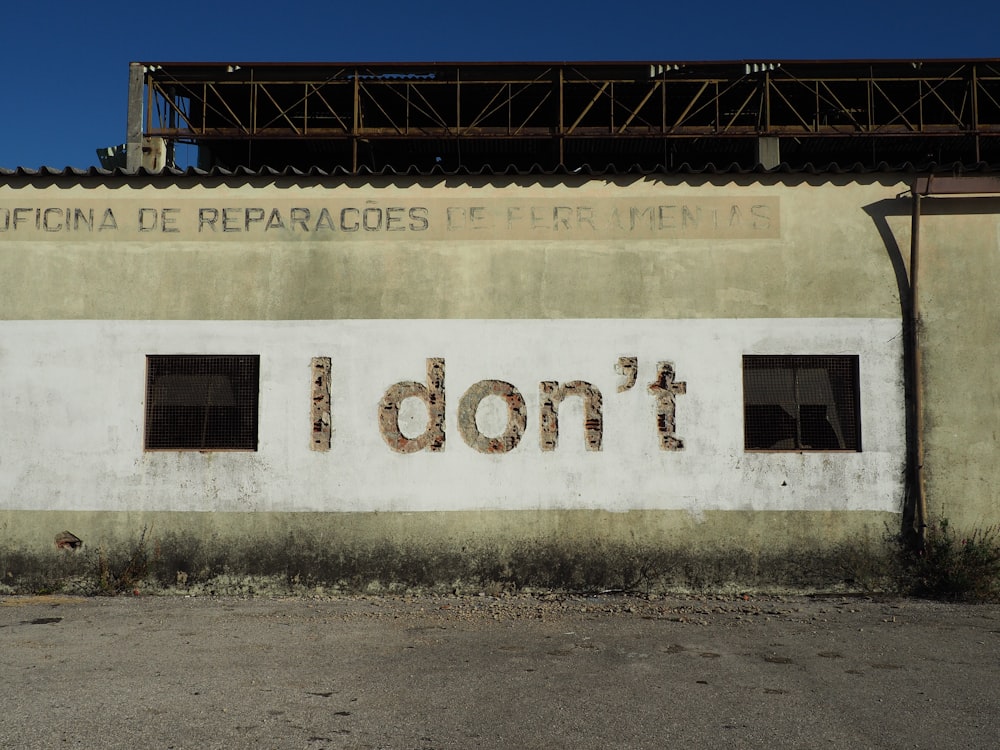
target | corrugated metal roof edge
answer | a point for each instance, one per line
(955, 168)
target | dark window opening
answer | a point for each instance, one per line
(801, 403)
(202, 402)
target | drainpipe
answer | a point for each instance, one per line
(914, 365)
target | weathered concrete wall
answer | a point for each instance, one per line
(599, 248)
(960, 320)
(242, 553)
(523, 281)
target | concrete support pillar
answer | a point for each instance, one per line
(133, 129)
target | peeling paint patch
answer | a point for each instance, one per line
(628, 368)
(322, 423)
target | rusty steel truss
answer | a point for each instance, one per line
(472, 115)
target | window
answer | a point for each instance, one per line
(801, 403)
(202, 402)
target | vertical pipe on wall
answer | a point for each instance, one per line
(916, 440)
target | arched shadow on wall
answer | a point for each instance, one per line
(879, 212)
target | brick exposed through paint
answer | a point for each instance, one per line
(322, 423)
(68, 540)
(627, 367)
(666, 390)
(517, 419)
(552, 394)
(432, 394)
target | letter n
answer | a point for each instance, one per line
(552, 394)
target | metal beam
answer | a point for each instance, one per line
(953, 105)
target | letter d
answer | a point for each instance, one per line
(432, 394)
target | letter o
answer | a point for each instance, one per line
(372, 224)
(517, 419)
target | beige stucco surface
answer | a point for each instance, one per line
(959, 274)
(759, 532)
(815, 252)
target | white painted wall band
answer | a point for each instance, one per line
(72, 393)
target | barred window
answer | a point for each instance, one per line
(801, 403)
(202, 402)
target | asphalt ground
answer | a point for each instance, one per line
(425, 672)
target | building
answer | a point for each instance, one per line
(589, 325)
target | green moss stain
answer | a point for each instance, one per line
(492, 551)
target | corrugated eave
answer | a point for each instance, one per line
(832, 169)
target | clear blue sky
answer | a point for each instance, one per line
(65, 64)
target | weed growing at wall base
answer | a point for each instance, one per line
(103, 571)
(124, 571)
(959, 567)
(953, 566)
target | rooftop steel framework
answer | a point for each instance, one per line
(568, 115)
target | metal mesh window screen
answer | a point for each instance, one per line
(202, 402)
(801, 402)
